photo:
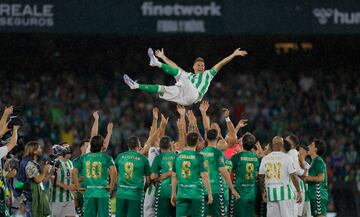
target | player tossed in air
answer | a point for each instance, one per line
(190, 88)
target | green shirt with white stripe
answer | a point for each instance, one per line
(245, 167)
(63, 176)
(201, 81)
(318, 189)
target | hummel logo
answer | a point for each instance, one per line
(323, 14)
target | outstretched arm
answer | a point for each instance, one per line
(181, 124)
(95, 126)
(231, 137)
(204, 106)
(161, 55)
(108, 135)
(3, 125)
(226, 60)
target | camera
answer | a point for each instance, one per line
(58, 151)
(15, 121)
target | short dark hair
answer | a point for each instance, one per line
(96, 143)
(287, 146)
(82, 142)
(192, 139)
(133, 142)
(212, 134)
(199, 59)
(321, 146)
(248, 141)
(165, 142)
(295, 140)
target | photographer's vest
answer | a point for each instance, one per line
(23, 184)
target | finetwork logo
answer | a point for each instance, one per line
(150, 9)
(335, 16)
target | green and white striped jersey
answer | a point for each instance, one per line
(277, 167)
(64, 176)
(201, 81)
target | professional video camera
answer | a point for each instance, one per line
(58, 151)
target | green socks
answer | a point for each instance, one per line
(149, 88)
(170, 70)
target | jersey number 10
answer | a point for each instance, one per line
(93, 169)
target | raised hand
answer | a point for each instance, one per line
(242, 123)
(204, 106)
(110, 127)
(180, 109)
(239, 52)
(164, 120)
(96, 115)
(160, 53)
(155, 113)
(226, 112)
(191, 117)
(8, 110)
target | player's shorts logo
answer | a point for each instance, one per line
(323, 14)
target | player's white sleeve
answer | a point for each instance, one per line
(299, 171)
(290, 166)
(153, 151)
(295, 157)
(262, 168)
(3, 151)
(88, 149)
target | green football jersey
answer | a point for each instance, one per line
(229, 166)
(94, 169)
(318, 190)
(214, 159)
(188, 167)
(164, 163)
(132, 167)
(245, 167)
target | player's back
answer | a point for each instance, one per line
(277, 167)
(132, 167)
(213, 160)
(95, 167)
(188, 167)
(245, 166)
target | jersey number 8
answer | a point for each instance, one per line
(185, 169)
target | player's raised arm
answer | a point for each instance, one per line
(226, 60)
(181, 124)
(3, 125)
(108, 135)
(161, 55)
(204, 106)
(231, 137)
(95, 126)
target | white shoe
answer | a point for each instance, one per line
(154, 61)
(131, 83)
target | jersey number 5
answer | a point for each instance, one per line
(93, 169)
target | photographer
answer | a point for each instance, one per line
(29, 184)
(62, 201)
(5, 128)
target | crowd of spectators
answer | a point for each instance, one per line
(58, 91)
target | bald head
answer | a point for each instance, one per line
(277, 143)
